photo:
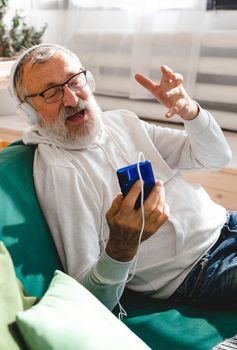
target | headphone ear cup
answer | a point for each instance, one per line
(27, 111)
(90, 80)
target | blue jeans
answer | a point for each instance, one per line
(214, 278)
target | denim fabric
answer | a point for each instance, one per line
(214, 278)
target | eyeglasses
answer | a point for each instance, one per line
(56, 93)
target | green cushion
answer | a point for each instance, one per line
(164, 325)
(70, 317)
(12, 300)
(161, 325)
(22, 226)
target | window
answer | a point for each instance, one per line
(126, 5)
(117, 38)
(222, 4)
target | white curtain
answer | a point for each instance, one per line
(116, 39)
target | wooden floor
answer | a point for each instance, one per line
(7, 137)
(221, 185)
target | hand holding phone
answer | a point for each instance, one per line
(128, 175)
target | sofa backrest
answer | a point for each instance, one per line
(23, 228)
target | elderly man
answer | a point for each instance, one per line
(96, 230)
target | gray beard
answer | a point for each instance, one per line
(80, 136)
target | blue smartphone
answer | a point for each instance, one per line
(129, 174)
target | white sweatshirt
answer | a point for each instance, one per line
(75, 188)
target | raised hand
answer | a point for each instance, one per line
(171, 93)
(125, 222)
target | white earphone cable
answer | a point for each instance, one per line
(122, 311)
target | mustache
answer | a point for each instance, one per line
(67, 111)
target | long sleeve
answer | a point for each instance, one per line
(72, 208)
(107, 279)
(75, 196)
(201, 145)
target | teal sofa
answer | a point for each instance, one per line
(24, 232)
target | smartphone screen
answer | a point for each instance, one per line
(129, 174)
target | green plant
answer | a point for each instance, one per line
(17, 35)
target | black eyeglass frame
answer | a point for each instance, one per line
(41, 94)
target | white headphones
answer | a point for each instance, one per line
(23, 108)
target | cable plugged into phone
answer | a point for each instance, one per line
(127, 176)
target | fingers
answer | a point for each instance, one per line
(156, 220)
(156, 212)
(171, 112)
(146, 82)
(125, 222)
(184, 107)
(176, 92)
(178, 78)
(130, 199)
(164, 91)
(156, 193)
(115, 207)
(180, 106)
(168, 78)
(167, 74)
